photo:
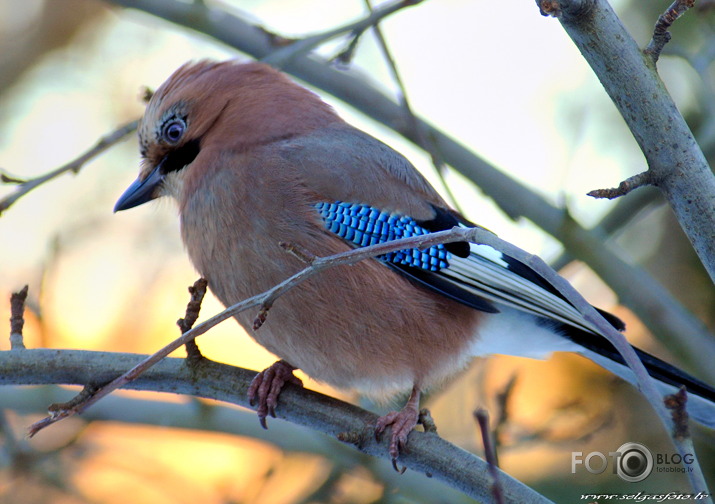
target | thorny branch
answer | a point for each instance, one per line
(74, 166)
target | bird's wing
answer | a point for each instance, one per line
(341, 163)
(483, 278)
(367, 193)
(505, 281)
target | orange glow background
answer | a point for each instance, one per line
(74, 72)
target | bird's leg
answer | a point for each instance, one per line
(266, 387)
(402, 423)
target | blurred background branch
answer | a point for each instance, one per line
(526, 102)
(204, 416)
(676, 164)
(428, 453)
(669, 321)
(104, 143)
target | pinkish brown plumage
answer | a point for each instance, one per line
(250, 156)
(269, 151)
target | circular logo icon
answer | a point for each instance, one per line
(635, 462)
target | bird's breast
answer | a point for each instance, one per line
(361, 326)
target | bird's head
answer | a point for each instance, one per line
(216, 105)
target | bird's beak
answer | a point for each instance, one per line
(141, 191)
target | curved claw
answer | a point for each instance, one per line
(266, 387)
(402, 423)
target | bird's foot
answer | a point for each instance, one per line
(266, 387)
(402, 423)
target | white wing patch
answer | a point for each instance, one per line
(486, 274)
(488, 252)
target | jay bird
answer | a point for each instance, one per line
(254, 159)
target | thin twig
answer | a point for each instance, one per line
(282, 56)
(490, 453)
(426, 142)
(310, 416)
(474, 235)
(9, 179)
(58, 411)
(17, 318)
(74, 166)
(631, 183)
(634, 286)
(264, 299)
(661, 35)
(343, 59)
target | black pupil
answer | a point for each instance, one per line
(174, 131)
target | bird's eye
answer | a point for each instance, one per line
(173, 130)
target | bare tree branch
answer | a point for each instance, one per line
(636, 181)
(318, 264)
(283, 56)
(428, 452)
(676, 164)
(104, 143)
(212, 417)
(665, 317)
(661, 35)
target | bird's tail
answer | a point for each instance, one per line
(526, 316)
(701, 396)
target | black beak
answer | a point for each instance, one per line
(140, 191)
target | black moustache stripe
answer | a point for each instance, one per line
(181, 156)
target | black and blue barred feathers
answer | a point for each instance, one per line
(364, 225)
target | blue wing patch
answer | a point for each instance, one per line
(364, 225)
